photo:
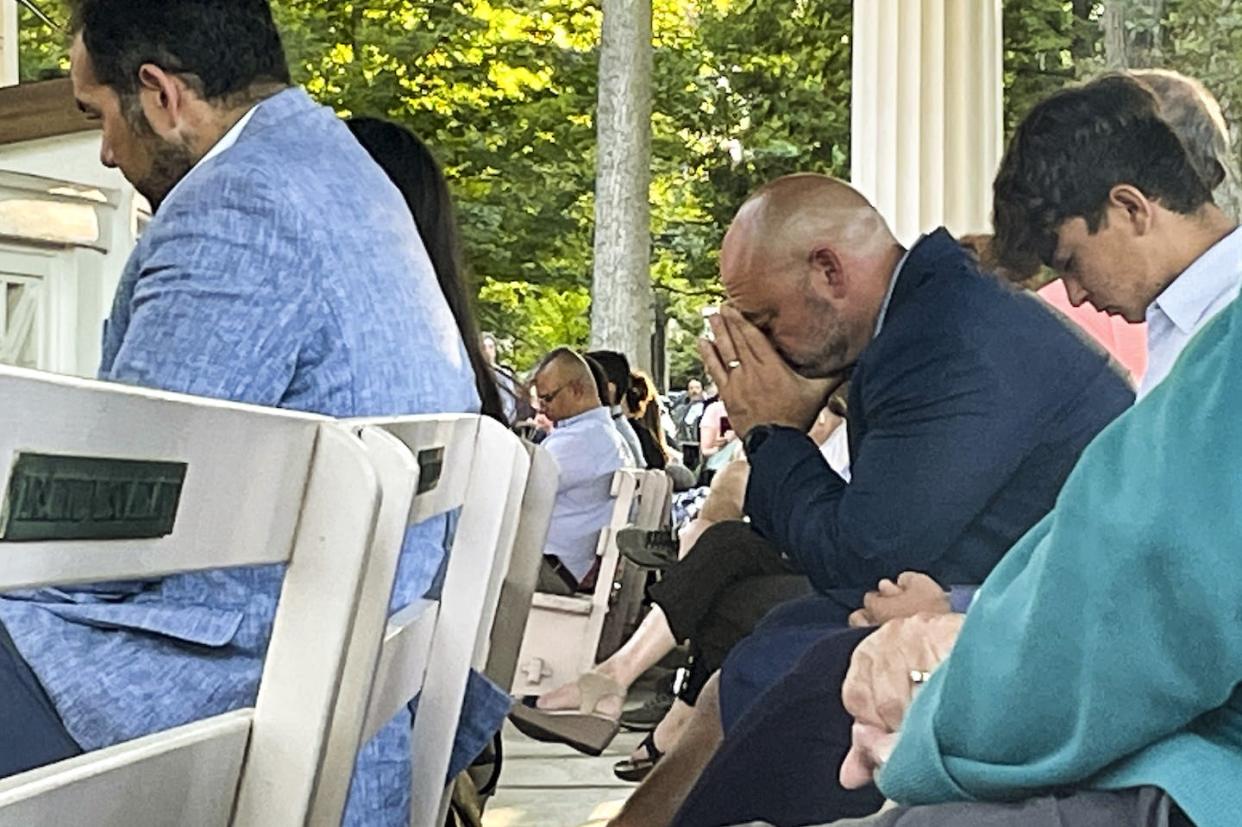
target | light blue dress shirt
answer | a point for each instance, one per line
(588, 451)
(628, 436)
(1194, 298)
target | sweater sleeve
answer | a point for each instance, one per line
(1110, 626)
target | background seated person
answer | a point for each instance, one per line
(642, 409)
(718, 443)
(617, 374)
(588, 450)
(653, 639)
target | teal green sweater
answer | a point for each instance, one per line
(1105, 651)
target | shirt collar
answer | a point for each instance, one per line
(892, 285)
(1192, 294)
(221, 146)
(600, 413)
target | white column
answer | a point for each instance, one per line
(8, 43)
(927, 111)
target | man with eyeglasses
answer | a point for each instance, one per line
(588, 451)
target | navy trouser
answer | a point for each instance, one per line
(779, 762)
(31, 733)
(774, 648)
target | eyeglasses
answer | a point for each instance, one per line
(545, 399)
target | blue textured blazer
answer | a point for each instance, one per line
(285, 272)
(967, 413)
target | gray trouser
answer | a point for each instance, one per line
(1141, 807)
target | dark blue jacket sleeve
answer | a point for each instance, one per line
(944, 432)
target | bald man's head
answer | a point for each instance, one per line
(564, 385)
(1195, 115)
(808, 260)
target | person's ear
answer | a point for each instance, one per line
(827, 272)
(164, 97)
(1129, 204)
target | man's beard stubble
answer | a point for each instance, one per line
(832, 357)
(169, 162)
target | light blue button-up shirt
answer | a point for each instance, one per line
(1194, 298)
(628, 436)
(588, 451)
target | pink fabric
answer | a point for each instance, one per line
(1126, 342)
(712, 416)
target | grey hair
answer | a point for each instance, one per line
(1195, 116)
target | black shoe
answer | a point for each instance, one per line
(648, 716)
(635, 770)
(649, 549)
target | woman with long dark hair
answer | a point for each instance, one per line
(412, 167)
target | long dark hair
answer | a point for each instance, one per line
(412, 167)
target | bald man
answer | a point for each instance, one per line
(588, 451)
(968, 406)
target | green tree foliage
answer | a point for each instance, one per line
(42, 52)
(1045, 43)
(504, 92)
(1203, 39)
(744, 91)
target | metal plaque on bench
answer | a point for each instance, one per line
(55, 497)
(431, 468)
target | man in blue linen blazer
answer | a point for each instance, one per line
(281, 269)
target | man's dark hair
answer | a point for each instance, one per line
(617, 369)
(601, 380)
(1067, 155)
(222, 48)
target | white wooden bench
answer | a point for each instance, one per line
(563, 632)
(430, 646)
(244, 486)
(518, 586)
(655, 504)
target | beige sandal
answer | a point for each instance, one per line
(584, 729)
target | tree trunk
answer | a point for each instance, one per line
(1133, 34)
(622, 300)
(1116, 47)
(1083, 45)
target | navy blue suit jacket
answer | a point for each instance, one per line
(966, 414)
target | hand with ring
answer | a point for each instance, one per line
(756, 385)
(885, 671)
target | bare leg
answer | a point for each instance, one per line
(660, 796)
(670, 728)
(724, 502)
(728, 493)
(654, 639)
(650, 642)
(690, 534)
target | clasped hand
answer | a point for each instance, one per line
(878, 687)
(913, 593)
(756, 385)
